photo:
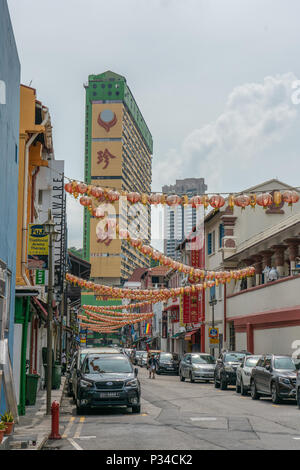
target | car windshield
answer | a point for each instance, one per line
(251, 362)
(284, 363)
(98, 364)
(234, 357)
(203, 359)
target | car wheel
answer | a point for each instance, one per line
(136, 409)
(79, 409)
(254, 394)
(217, 384)
(274, 393)
(243, 389)
(181, 377)
(192, 378)
(237, 387)
(223, 384)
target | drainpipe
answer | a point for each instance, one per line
(22, 404)
(24, 228)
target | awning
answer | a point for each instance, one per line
(178, 335)
(189, 334)
(40, 309)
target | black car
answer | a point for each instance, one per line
(225, 371)
(274, 376)
(107, 380)
(167, 362)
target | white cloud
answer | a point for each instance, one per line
(241, 143)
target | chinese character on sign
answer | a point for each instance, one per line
(104, 157)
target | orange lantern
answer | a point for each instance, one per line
(290, 197)
(155, 199)
(133, 197)
(217, 201)
(81, 188)
(69, 188)
(242, 201)
(264, 200)
(113, 196)
(252, 200)
(173, 200)
(195, 201)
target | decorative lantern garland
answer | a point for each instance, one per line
(104, 308)
(107, 313)
(155, 295)
(93, 196)
(194, 273)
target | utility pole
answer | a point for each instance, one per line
(49, 228)
(213, 301)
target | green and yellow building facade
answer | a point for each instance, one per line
(118, 155)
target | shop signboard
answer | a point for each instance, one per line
(38, 242)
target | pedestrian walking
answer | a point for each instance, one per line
(152, 363)
(64, 362)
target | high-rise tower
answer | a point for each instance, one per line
(118, 155)
(180, 220)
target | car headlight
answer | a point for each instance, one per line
(86, 383)
(284, 380)
(132, 383)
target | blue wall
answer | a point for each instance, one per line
(9, 159)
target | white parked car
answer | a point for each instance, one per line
(243, 374)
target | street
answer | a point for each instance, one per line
(184, 416)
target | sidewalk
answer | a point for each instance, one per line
(36, 424)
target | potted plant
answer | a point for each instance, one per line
(8, 420)
(2, 430)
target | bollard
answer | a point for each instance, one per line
(55, 421)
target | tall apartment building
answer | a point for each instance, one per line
(118, 155)
(179, 220)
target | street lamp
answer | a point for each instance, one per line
(49, 228)
(213, 301)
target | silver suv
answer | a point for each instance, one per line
(243, 374)
(197, 366)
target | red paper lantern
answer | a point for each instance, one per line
(196, 201)
(290, 197)
(97, 192)
(173, 200)
(133, 197)
(69, 188)
(217, 201)
(155, 199)
(242, 201)
(82, 188)
(113, 196)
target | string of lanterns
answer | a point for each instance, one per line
(195, 274)
(155, 295)
(92, 196)
(112, 313)
(104, 308)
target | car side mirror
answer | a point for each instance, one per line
(268, 367)
(136, 371)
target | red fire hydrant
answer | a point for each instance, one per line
(55, 421)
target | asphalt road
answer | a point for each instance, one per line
(182, 415)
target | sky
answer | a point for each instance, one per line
(216, 81)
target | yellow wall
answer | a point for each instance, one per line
(27, 127)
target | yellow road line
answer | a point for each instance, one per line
(69, 425)
(276, 406)
(79, 427)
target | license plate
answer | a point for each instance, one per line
(109, 395)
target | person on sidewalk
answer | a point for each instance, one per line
(152, 366)
(64, 362)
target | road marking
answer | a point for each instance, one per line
(203, 419)
(276, 406)
(74, 444)
(67, 430)
(144, 414)
(296, 438)
(86, 437)
(79, 427)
